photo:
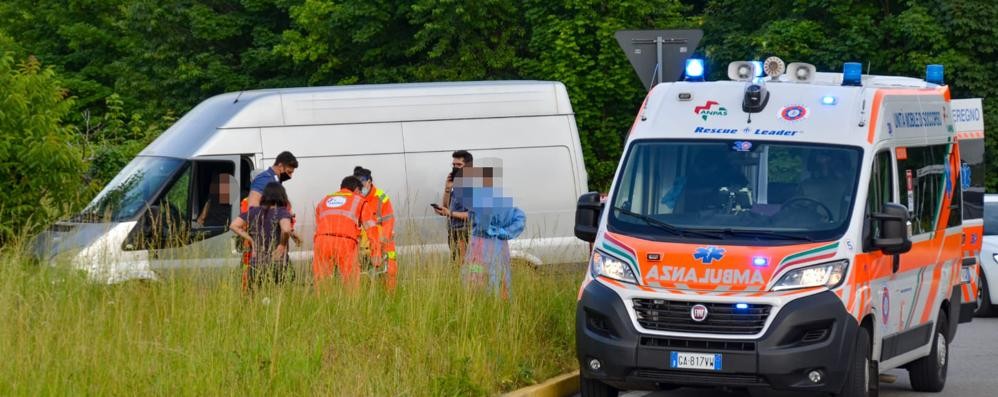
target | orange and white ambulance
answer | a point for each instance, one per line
(787, 229)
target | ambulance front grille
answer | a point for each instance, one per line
(722, 318)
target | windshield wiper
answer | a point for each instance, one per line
(759, 233)
(667, 227)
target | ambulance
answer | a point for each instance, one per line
(786, 229)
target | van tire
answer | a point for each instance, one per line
(928, 374)
(595, 388)
(985, 308)
(860, 378)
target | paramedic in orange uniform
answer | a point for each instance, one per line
(384, 217)
(338, 220)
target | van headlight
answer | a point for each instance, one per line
(828, 274)
(602, 264)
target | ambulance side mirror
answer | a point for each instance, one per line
(893, 238)
(587, 214)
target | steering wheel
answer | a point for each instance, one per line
(795, 202)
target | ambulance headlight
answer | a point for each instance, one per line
(602, 264)
(828, 274)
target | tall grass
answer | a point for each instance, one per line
(193, 335)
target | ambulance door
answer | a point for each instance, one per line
(882, 190)
(910, 290)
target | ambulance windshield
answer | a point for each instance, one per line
(765, 192)
(131, 190)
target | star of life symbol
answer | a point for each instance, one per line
(706, 255)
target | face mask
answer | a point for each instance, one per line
(283, 177)
(364, 191)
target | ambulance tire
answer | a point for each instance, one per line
(858, 381)
(595, 388)
(928, 374)
(985, 307)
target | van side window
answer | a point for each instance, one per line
(881, 190)
(921, 172)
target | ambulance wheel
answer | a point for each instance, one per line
(859, 381)
(928, 374)
(595, 388)
(985, 308)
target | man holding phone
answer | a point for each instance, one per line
(457, 229)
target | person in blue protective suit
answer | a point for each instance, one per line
(494, 221)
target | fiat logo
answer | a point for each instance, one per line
(698, 313)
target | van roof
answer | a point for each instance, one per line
(367, 103)
(350, 104)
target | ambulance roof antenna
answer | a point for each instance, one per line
(666, 63)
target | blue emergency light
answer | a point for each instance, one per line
(828, 100)
(741, 306)
(694, 69)
(934, 74)
(759, 71)
(852, 73)
(760, 261)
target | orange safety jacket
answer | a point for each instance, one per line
(342, 214)
(384, 217)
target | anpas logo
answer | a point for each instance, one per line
(705, 111)
(706, 255)
(680, 274)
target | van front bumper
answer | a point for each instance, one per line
(781, 359)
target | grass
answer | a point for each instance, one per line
(193, 335)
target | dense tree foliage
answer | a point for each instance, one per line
(39, 155)
(130, 67)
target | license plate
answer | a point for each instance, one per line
(707, 361)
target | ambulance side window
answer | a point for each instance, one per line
(972, 177)
(921, 172)
(881, 191)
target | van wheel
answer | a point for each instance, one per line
(859, 381)
(928, 374)
(985, 308)
(595, 388)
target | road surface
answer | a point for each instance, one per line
(973, 370)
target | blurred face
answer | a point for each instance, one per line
(220, 187)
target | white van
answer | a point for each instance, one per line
(404, 133)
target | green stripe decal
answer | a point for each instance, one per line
(625, 256)
(813, 251)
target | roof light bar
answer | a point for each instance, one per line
(852, 74)
(695, 69)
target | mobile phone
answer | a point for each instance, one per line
(435, 206)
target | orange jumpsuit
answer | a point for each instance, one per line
(338, 220)
(384, 217)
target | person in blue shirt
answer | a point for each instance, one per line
(284, 167)
(494, 221)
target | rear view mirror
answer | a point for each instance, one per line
(893, 238)
(587, 216)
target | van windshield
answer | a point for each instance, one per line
(131, 190)
(753, 191)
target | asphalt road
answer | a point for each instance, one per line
(973, 370)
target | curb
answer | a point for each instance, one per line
(559, 386)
